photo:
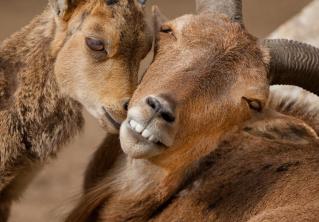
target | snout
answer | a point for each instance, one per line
(162, 109)
(112, 116)
(150, 127)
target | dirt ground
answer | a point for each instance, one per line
(51, 194)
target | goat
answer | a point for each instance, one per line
(205, 139)
(76, 53)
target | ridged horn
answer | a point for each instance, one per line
(231, 8)
(294, 63)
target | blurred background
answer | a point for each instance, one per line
(52, 193)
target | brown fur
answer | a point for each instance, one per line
(237, 154)
(41, 69)
(261, 172)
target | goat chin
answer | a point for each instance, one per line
(135, 146)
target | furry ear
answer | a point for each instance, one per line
(63, 8)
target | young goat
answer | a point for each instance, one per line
(203, 140)
(76, 53)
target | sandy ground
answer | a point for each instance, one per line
(50, 195)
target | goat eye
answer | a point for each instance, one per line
(111, 2)
(95, 44)
(166, 29)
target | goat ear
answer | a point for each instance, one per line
(63, 8)
(158, 19)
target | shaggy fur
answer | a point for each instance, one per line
(38, 115)
(36, 120)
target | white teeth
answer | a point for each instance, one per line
(136, 126)
(139, 128)
(133, 124)
(146, 134)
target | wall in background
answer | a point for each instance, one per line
(261, 17)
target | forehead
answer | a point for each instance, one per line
(128, 11)
(210, 31)
(213, 53)
(213, 38)
(123, 20)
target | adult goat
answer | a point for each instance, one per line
(204, 139)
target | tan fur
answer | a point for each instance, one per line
(47, 73)
(237, 154)
(262, 172)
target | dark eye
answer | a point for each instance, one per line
(111, 2)
(95, 44)
(166, 29)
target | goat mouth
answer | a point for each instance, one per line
(144, 134)
(109, 117)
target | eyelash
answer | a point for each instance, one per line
(167, 30)
(111, 2)
(95, 44)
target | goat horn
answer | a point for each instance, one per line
(231, 8)
(294, 63)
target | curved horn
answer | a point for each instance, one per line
(231, 8)
(294, 63)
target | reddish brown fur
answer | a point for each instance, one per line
(230, 160)
(268, 169)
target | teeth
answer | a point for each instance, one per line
(136, 126)
(146, 134)
(133, 124)
(139, 128)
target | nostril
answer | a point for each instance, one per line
(162, 108)
(125, 105)
(153, 103)
(168, 117)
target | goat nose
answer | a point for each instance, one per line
(161, 108)
(154, 103)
